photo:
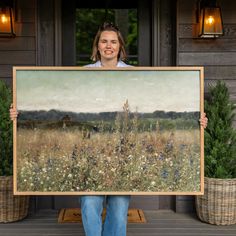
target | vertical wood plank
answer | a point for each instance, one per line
(168, 33)
(58, 34)
(144, 33)
(45, 57)
(68, 33)
(45, 33)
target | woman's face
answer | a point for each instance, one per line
(108, 45)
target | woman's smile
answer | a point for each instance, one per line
(109, 45)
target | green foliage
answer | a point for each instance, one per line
(132, 37)
(220, 137)
(87, 24)
(6, 145)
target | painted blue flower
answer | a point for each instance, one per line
(164, 174)
(161, 156)
(176, 174)
(49, 162)
(182, 146)
(169, 146)
(191, 161)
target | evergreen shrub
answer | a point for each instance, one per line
(220, 136)
(6, 133)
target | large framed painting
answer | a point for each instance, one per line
(85, 131)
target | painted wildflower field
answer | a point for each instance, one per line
(130, 130)
(124, 157)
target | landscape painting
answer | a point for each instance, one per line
(118, 131)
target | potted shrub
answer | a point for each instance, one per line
(12, 208)
(217, 205)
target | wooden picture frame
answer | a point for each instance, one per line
(96, 131)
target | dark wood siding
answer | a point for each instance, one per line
(167, 33)
(22, 49)
(218, 56)
(144, 33)
(45, 33)
(42, 33)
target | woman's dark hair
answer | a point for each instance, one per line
(108, 27)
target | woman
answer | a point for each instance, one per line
(108, 52)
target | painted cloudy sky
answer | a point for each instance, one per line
(103, 91)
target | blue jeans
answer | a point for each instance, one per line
(116, 215)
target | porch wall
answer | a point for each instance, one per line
(218, 56)
(22, 49)
(38, 42)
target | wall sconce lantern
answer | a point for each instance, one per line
(6, 19)
(210, 19)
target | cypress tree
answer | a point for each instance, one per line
(220, 136)
(6, 142)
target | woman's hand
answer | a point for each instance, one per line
(13, 112)
(203, 120)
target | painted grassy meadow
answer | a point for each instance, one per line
(98, 133)
(125, 159)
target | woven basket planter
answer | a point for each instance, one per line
(218, 204)
(12, 208)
